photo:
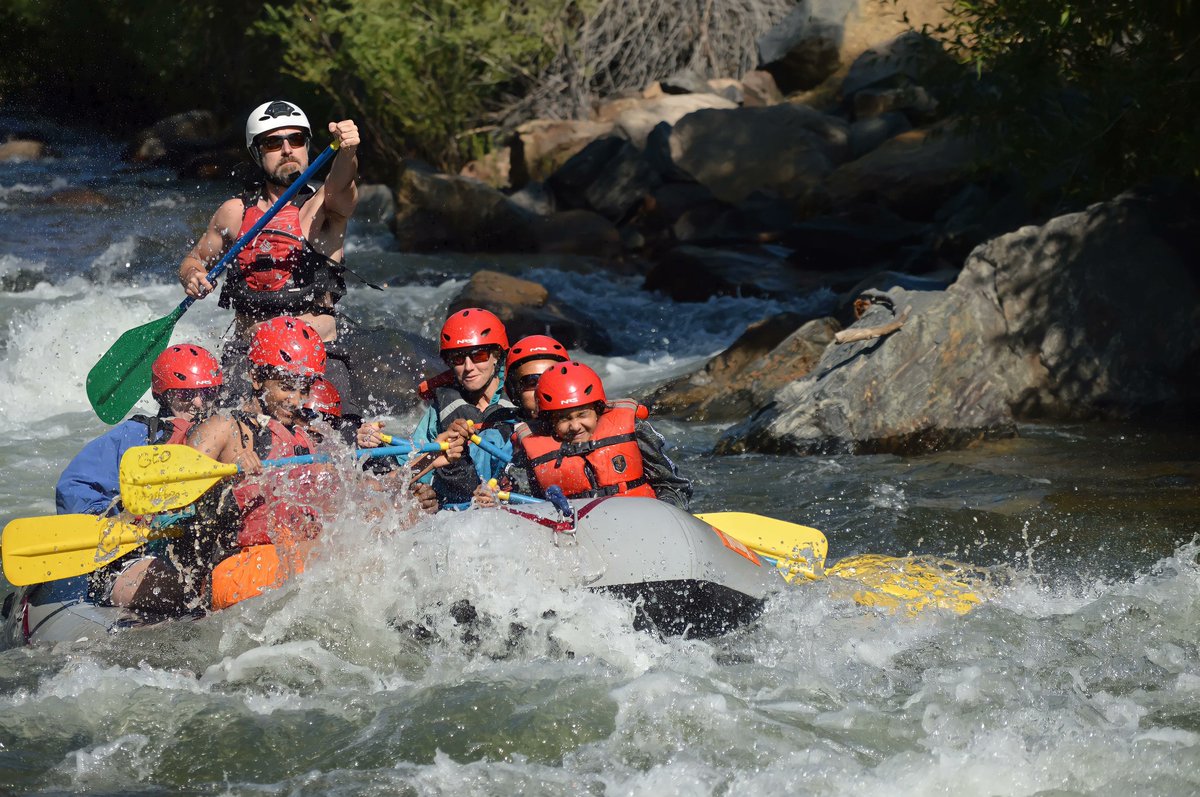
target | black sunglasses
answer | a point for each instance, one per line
(189, 394)
(275, 143)
(459, 357)
(528, 382)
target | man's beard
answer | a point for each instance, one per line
(274, 178)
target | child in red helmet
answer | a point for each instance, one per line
(590, 446)
(184, 380)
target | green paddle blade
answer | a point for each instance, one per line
(41, 549)
(162, 478)
(122, 376)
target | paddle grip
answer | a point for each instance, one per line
(250, 234)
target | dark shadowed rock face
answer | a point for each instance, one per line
(1095, 314)
(767, 356)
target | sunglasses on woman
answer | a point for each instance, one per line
(275, 143)
(189, 394)
(478, 356)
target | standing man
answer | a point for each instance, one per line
(294, 266)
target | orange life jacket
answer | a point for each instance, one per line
(608, 464)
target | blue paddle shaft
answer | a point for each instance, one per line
(286, 197)
(362, 453)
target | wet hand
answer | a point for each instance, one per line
(426, 497)
(248, 461)
(196, 284)
(345, 133)
(370, 435)
(484, 496)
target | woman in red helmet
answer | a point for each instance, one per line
(474, 345)
(184, 380)
(590, 446)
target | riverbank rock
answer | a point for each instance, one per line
(494, 169)
(817, 39)
(526, 308)
(767, 356)
(376, 204)
(786, 149)
(22, 150)
(634, 117)
(540, 147)
(1094, 314)
(176, 139)
(695, 274)
(436, 211)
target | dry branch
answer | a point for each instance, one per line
(866, 333)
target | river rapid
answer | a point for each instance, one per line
(1079, 675)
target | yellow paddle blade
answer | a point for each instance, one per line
(62, 546)
(798, 550)
(911, 584)
(162, 478)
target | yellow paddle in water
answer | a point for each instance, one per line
(911, 584)
(40, 549)
(165, 477)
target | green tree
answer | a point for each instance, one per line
(1086, 97)
(419, 77)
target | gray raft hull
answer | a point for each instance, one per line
(683, 576)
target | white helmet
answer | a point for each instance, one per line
(272, 116)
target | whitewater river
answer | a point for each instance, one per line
(1079, 675)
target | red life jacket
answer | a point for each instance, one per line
(278, 272)
(608, 464)
(281, 501)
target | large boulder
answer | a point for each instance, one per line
(376, 204)
(540, 147)
(912, 174)
(578, 232)
(179, 138)
(526, 308)
(634, 118)
(438, 211)
(768, 355)
(1094, 314)
(820, 37)
(624, 183)
(785, 149)
(494, 168)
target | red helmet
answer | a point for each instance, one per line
(536, 347)
(324, 398)
(568, 386)
(184, 366)
(290, 345)
(473, 327)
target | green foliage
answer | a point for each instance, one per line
(115, 63)
(418, 77)
(1086, 97)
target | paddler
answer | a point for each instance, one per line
(280, 511)
(294, 267)
(474, 344)
(184, 380)
(589, 446)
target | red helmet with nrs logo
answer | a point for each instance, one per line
(324, 398)
(471, 328)
(289, 345)
(536, 347)
(569, 386)
(183, 367)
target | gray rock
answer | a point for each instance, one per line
(786, 149)
(803, 48)
(907, 59)
(868, 134)
(376, 204)
(695, 274)
(768, 355)
(534, 198)
(1094, 314)
(440, 211)
(624, 182)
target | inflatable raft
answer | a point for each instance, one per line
(683, 575)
